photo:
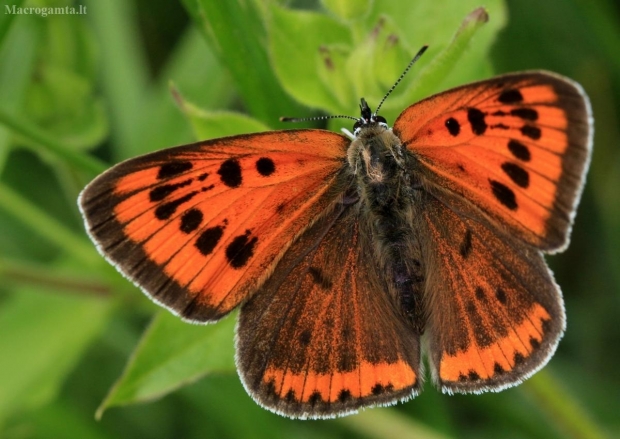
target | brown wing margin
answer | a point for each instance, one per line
(322, 338)
(496, 315)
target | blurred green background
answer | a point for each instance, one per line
(81, 92)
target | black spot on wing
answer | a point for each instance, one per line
(453, 126)
(476, 120)
(191, 220)
(530, 131)
(173, 168)
(510, 96)
(161, 192)
(517, 174)
(208, 240)
(525, 113)
(504, 194)
(230, 173)
(166, 210)
(265, 166)
(519, 150)
(240, 250)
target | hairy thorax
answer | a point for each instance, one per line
(387, 189)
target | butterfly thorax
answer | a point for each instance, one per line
(382, 168)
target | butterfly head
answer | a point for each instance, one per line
(368, 119)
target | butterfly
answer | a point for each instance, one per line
(350, 258)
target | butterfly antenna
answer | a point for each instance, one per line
(307, 119)
(415, 58)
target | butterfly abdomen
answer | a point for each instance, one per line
(387, 207)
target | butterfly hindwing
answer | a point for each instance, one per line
(512, 150)
(495, 312)
(200, 227)
(322, 337)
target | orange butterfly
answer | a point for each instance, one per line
(343, 254)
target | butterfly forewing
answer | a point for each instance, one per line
(515, 148)
(322, 337)
(199, 227)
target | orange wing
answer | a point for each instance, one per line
(495, 312)
(323, 337)
(516, 146)
(200, 227)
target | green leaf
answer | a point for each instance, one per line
(171, 354)
(297, 39)
(442, 65)
(123, 72)
(212, 124)
(348, 10)
(195, 71)
(17, 60)
(244, 52)
(44, 334)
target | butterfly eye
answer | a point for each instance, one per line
(381, 121)
(357, 126)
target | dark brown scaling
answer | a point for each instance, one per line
(377, 389)
(319, 278)
(501, 296)
(203, 177)
(504, 194)
(344, 395)
(290, 396)
(481, 333)
(271, 389)
(517, 174)
(535, 344)
(465, 248)
(498, 369)
(305, 337)
(172, 169)
(473, 375)
(315, 398)
(518, 358)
